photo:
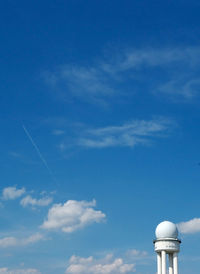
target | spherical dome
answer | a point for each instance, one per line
(166, 229)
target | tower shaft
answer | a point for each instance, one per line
(167, 248)
(171, 263)
(162, 262)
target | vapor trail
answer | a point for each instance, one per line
(39, 153)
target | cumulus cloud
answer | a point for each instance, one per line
(13, 241)
(5, 270)
(136, 254)
(32, 239)
(128, 134)
(189, 227)
(107, 265)
(11, 193)
(29, 201)
(72, 215)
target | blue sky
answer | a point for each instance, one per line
(99, 134)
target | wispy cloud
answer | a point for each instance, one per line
(15, 154)
(5, 270)
(13, 241)
(87, 83)
(156, 57)
(29, 201)
(189, 227)
(72, 215)
(172, 71)
(128, 134)
(184, 86)
(58, 132)
(11, 193)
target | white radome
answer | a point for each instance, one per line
(166, 229)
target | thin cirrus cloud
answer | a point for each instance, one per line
(129, 134)
(29, 201)
(15, 242)
(185, 83)
(108, 78)
(6, 270)
(72, 215)
(11, 193)
(107, 265)
(58, 132)
(89, 84)
(190, 227)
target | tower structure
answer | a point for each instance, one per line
(167, 244)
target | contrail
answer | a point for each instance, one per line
(39, 153)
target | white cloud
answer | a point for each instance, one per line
(72, 215)
(189, 227)
(129, 134)
(28, 200)
(5, 270)
(11, 193)
(13, 241)
(107, 265)
(32, 239)
(136, 254)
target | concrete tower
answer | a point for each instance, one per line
(167, 243)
